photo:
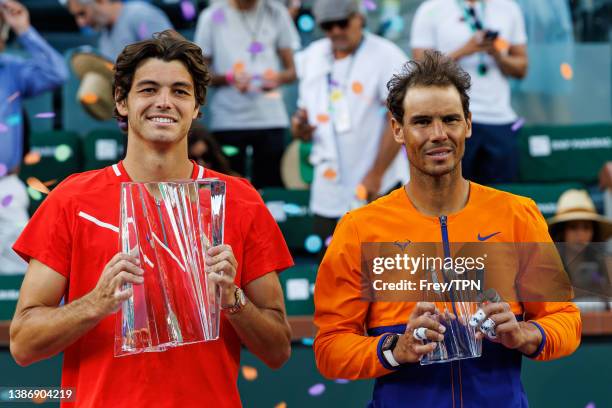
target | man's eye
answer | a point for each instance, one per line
(147, 90)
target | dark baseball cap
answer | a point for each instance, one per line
(334, 10)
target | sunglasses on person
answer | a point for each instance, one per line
(342, 24)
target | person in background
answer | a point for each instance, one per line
(118, 23)
(20, 78)
(205, 150)
(249, 45)
(581, 230)
(342, 88)
(487, 37)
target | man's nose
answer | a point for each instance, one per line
(438, 131)
(163, 99)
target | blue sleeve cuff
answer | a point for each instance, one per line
(542, 343)
(382, 358)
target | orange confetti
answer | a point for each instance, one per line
(273, 95)
(566, 71)
(238, 67)
(357, 87)
(361, 192)
(89, 98)
(37, 185)
(501, 45)
(281, 404)
(31, 158)
(39, 400)
(249, 373)
(329, 174)
(322, 118)
(50, 182)
(110, 66)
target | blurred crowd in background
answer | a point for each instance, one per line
(297, 101)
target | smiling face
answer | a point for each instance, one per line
(161, 104)
(433, 131)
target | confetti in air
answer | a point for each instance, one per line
(218, 16)
(143, 31)
(37, 185)
(230, 151)
(566, 71)
(342, 381)
(322, 118)
(249, 373)
(313, 244)
(292, 209)
(3, 128)
(256, 47)
(370, 5)
(62, 153)
(357, 87)
(518, 124)
(6, 201)
(188, 10)
(281, 404)
(32, 158)
(13, 96)
(328, 241)
(316, 390)
(306, 23)
(34, 195)
(361, 192)
(89, 98)
(45, 115)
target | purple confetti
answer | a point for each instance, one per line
(218, 16)
(256, 47)
(3, 128)
(45, 115)
(3, 169)
(342, 381)
(6, 201)
(590, 405)
(316, 390)
(333, 82)
(188, 10)
(518, 124)
(13, 97)
(370, 5)
(143, 31)
(328, 241)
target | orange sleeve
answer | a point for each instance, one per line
(342, 349)
(559, 322)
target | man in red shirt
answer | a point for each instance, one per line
(72, 247)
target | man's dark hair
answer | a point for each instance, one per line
(166, 46)
(435, 69)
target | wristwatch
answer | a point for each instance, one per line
(387, 349)
(240, 301)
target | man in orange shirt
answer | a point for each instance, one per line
(430, 107)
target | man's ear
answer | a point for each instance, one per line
(468, 120)
(398, 130)
(196, 112)
(121, 104)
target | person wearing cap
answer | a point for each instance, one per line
(582, 231)
(249, 45)
(342, 88)
(118, 23)
(20, 78)
(360, 337)
(488, 39)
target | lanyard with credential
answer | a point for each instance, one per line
(332, 86)
(476, 24)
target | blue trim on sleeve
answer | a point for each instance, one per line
(542, 343)
(382, 358)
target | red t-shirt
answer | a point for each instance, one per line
(75, 232)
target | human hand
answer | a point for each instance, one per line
(300, 128)
(16, 15)
(371, 182)
(410, 350)
(270, 81)
(242, 81)
(473, 45)
(109, 294)
(221, 266)
(500, 326)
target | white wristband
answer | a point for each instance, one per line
(388, 354)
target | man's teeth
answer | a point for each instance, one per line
(162, 120)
